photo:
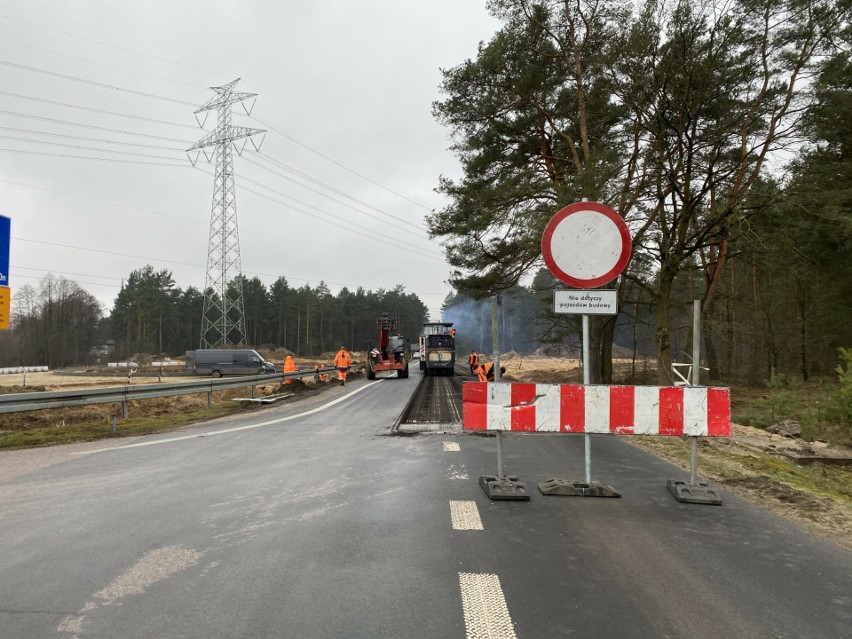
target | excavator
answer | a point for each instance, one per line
(390, 355)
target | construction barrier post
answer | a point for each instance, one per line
(695, 492)
(678, 411)
(500, 486)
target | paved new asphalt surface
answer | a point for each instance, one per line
(308, 520)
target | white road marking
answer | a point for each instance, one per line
(486, 615)
(465, 515)
(457, 472)
(451, 447)
(225, 431)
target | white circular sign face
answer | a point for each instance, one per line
(586, 245)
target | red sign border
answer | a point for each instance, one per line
(550, 229)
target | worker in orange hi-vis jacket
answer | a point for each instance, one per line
(343, 361)
(289, 367)
(473, 360)
(485, 372)
(480, 373)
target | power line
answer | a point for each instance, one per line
(84, 157)
(244, 231)
(343, 166)
(334, 221)
(43, 270)
(86, 148)
(85, 108)
(106, 44)
(342, 139)
(333, 199)
(92, 126)
(92, 199)
(85, 139)
(37, 277)
(149, 259)
(102, 64)
(94, 83)
(333, 189)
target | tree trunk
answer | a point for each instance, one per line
(663, 338)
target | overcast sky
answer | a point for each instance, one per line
(338, 191)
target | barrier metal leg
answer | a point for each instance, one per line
(588, 488)
(502, 486)
(694, 492)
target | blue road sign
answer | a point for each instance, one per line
(5, 227)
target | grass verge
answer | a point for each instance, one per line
(130, 427)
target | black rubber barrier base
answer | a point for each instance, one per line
(504, 488)
(567, 488)
(699, 493)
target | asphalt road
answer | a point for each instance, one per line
(310, 521)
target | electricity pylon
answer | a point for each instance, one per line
(223, 318)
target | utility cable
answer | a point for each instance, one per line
(325, 216)
(201, 266)
(84, 157)
(92, 126)
(97, 84)
(85, 108)
(106, 44)
(333, 199)
(89, 148)
(99, 140)
(333, 189)
(243, 230)
(341, 164)
(103, 64)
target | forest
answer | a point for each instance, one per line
(721, 132)
(58, 324)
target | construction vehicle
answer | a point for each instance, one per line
(390, 354)
(438, 349)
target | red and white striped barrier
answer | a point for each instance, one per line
(619, 410)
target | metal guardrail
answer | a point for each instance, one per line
(20, 402)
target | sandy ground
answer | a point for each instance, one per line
(723, 460)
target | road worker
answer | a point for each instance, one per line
(485, 372)
(319, 377)
(289, 367)
(343, 361)
(479, 371)
(473, 360)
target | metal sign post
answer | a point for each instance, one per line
(500, 486)
(694, 492)
(585, 245)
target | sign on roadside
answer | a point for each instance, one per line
(591, 302)
(5, 227)
(586, 245)
(5, 307)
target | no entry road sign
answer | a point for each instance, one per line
(586, 245)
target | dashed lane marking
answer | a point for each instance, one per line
(451, 447)
(486, 615)
(465, 515)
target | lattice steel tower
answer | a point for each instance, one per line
(223, 318)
